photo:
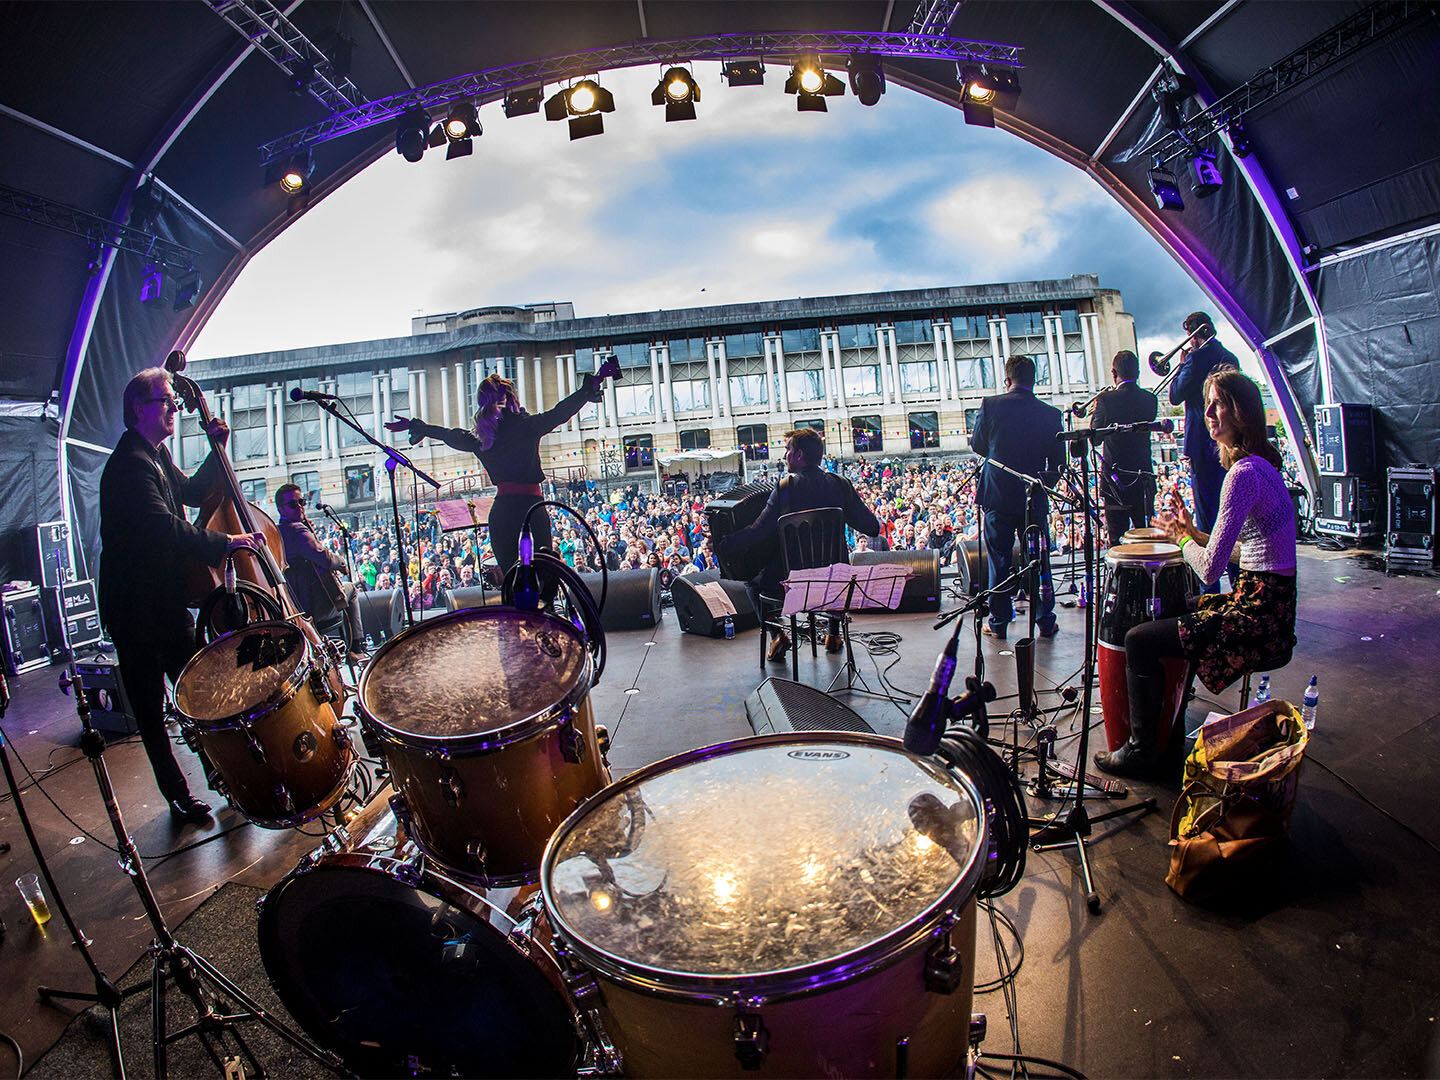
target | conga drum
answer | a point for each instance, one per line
(800, 904)
(1145, 581)
(1147, 534)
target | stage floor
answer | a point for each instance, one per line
(1337, 973)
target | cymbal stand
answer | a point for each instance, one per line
(106, 993)
(1077, 823)
(190, 972)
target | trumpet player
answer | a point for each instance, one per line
(1203, 356)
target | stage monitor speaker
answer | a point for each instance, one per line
(974, 568)
(922, 588)
(632, 601)
(694, 614)
(471, 596)
(779, 705)
(105, 694)
(382, 615)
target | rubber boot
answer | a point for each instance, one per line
(1137, 757)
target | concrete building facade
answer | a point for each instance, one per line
(890, 373)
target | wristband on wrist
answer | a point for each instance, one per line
(1184, 540)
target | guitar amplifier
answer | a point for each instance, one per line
(105, 694)
(1345, 440)
(72, 616)
(23, 630)
(1349, 507)
(732, 512)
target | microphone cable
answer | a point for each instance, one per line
(965, 751)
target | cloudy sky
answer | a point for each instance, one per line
(751, 201)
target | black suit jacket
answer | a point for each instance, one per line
(1017, 429)
(1189, 387)
(145, 539)
(812, 488)
(1125, 455)
(307, 561)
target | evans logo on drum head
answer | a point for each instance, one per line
(819, 755)
(549, 644)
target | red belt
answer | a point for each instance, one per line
(517, 489)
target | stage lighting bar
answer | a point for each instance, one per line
(524, 101)
(266, 27)
(462, 125)
(677, 91)
(867, 78)
(812, 84)
(412, 134)
(743, 72)
(583, 103)
(496, 83)
(296, 175)
(1164, 188)
(983, 90)
(96, 230)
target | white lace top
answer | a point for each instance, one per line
(1255, 508)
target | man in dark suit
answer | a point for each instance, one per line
(1127, 476)
(807, 487)
(1018, 430)
(307, 560)
(145, 541)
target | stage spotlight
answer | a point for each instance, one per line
(462, 123)
(411, 134)
(1204, 175)
(187, 290)
(297, 173)
(1239, 138)
(983, 90)
(812, 84)
(146, 204)
(678, 93)
(1164, 188)
(743, 72)
(582, 103)
(524, 101)
(867, 77)
(152, 284)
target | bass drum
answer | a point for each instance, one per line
(402, 970)
(799, 904)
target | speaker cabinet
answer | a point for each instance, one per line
(922, 588)
(23, 627)
(105, 695)
(694, 615)
(382, 615)
(780, 705)
(470, 597)
(632, 601)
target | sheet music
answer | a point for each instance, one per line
(717, 600)
(879, 585)
(456, 514)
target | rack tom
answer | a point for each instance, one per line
(258, 703)
(801, 904)
(485, 720)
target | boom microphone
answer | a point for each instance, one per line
(927, 720)
(1167, 426)
(296, 394)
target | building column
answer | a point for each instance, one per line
(1057, 360)
(665, 405)
(714, 386)
(839, 358)
(895, 366)
(772, 394)
(943, 376)
(538, 368)
(280, 425)
(723, 362)
(574, 384)
(326, 387)
(612, 420)
(950, 364)
(386, 408)
(780, 374)
(997, 364)
(1004, 338)
(445, 397)
(269, 426)
(1090, 348)
(377, 418)
(1099, 360)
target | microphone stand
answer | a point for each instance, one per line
(1076, 826)
(393, 458)
(345, 534)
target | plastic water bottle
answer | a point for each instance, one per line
(1262, 695)
(729, 628)
(1312, 699)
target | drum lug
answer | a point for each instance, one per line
(944, 966)
(522, 934)
(475, 849)
(320, 683)
(602, 739)
(572, 742)
(256, 750)
(451, 787)
(599, 1056)
(752, 1040)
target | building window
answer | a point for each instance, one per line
(1025, 323)
(193, 443)
(635, 400)
(247, 422)
(691, 394)
(814, 425)
(861, 381)
(924, 430)
(308, 483)
(801, 339)
(253, 491)
(975, 327)
(695, 439)
(865, 431)
(359, 484)
(1070, 320)
(355, 391)
(737, 345)
(747, 390)
(973, 373)
(1075, 370)
(856, 335)
(687, 350)
(913, 332)
(302, 419)
(805, 385)
(972, 417)
(639, 452)
(754, 439)
(923, 378)
(632, 354)
(1042, 368)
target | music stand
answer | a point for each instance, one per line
(880, 586)
(457, 514)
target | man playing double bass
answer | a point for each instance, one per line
(145, 541)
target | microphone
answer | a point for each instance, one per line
(927, 720)
(324, 508)
(527, 594)
(233, 607)
(1167, 426)
(296, 394)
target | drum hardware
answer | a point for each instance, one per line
(944, 966)
(752, 1041)
(451, 789)
(523, 932)
(572, 742)
(602, 739)
(475, 849)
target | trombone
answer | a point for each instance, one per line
(1160, 364)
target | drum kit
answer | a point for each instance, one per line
(802, 903)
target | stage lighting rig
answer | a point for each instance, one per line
(145, 205)
(867, 77)
(297, 172)
(678, 93)
(462, 125)
(1203, 172)
(187, 290)
(984, 89)
(411, 134)
(743, 72)
(1164, 187)
(582, 103)
(524, 101)
(812, 84)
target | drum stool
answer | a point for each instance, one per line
(1269, 663)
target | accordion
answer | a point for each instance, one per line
(732, 512)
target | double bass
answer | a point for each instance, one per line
(226, 510)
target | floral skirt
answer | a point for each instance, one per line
(1232, 633)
